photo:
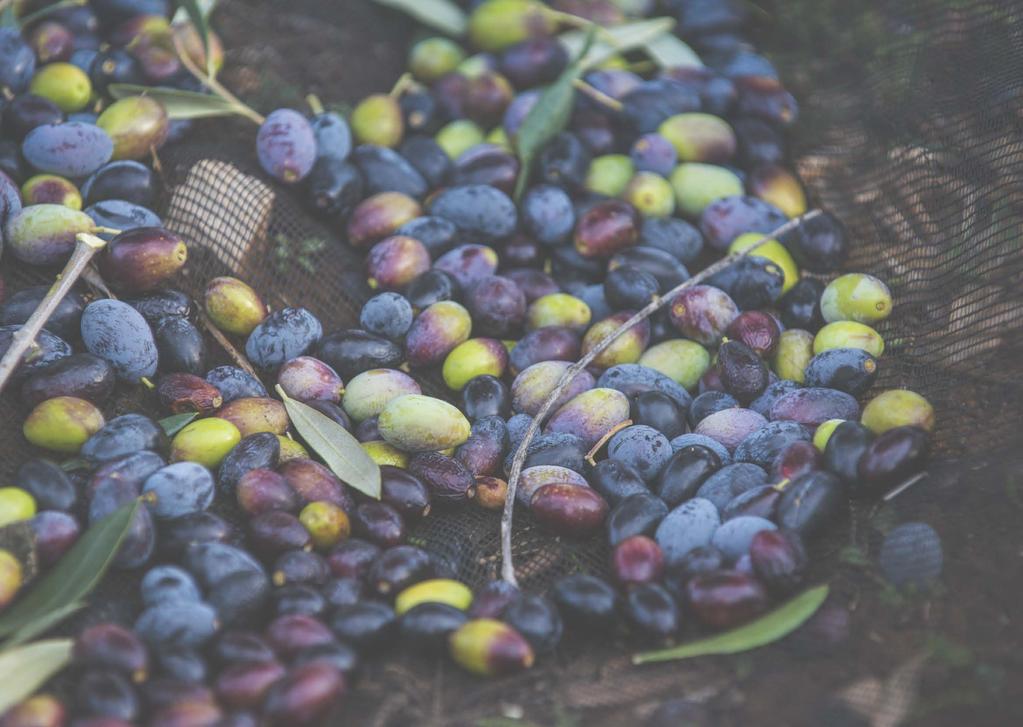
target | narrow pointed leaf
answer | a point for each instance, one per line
(179, 104)
(668, 51)
(43, 624)
(768, 628)
(27, 20)
(25, 669)
(198, 19)
(615, 40)
(442, 15)
(548, 117)
(174, 424)
(340, 450)
(74, 576)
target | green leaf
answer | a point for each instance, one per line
(442, 15)
(339, 449)
(615, 40)
(174, 424)
(549, 115)
(179, 104)
(74, 576)
(8, 18)
(668, 51)
(43, 624)
(772, 626)
(26, 20)
(198, 18)
(25, 669)
(76, 463)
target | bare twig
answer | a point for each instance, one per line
(217, 87)
(597, 95)
(86, 246)
(237, 356)
(507, 566)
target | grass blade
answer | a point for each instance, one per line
(74, 576)
(25, 669)
(340, 450)
(442, 15)
(772, 626)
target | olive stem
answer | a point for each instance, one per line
(403, 84)
(314, 103)
(214, 85)
(604, 440)
(237, 356)
(507, 516)
(597, 95)
(86, 246)
(580, 23)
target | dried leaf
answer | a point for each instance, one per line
(25, 669)
(179, 104)
(548, 117)
(72, 579)
(778, 623)
(442, 15)
(339, 449)
(174, 424)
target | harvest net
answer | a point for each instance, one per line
(910, 132)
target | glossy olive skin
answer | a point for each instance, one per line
(851, 370)
(255, 451)
(722, 599)
(81, 375)
(844, 450)
(637, 514)
(485, 396)
(684, 473)
(550, 343)
(139, 260)
(811, 503)
(404, 492)
(778, 559)
(569, 510)
(446, 478)
(800, 306)
(180, 345)
(122, 436)
(352, 351)
(893, 456)
(352, 558)
(483, 452)
(585, 601)
(64, 321)
(397, 568)
(743, 373)
(378, 523)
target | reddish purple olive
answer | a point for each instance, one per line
(570, 510)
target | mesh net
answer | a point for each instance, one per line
(911, 115)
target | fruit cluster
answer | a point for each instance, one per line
(710, 443)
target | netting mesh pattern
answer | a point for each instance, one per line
(910, 132)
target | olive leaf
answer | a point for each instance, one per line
(178, 103)
(613, 41)
(43, 624)
(198, 19)
(668, 51)
(72, 579)
(26, 20)
(8, 18)
(548, 116)
(768, 628)
(173, 424)
(25, 669)
(442, 15)
(339, 449)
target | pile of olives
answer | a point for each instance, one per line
(710, 444)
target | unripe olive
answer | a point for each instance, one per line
(137, 125)
(378, 120)
(66, 85)
(62, 424)
(233, 306)
(206, 441)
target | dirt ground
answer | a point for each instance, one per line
(948, 657)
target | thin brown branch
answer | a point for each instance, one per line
(86, 246)
(237, 356)
(597, 95)
(507, 517)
